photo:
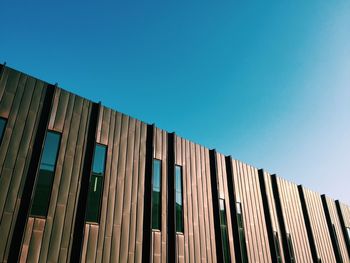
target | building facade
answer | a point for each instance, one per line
(80, 182)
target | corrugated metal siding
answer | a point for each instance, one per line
(335, 220)
(224, 194)
(21, 99)
(197, 243)
(247, 190)
(319, 226)
(118, 236)
(159, 238)
(293, 218)
(69, 117)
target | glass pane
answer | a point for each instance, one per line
(277, 246)
(178, 197)
(156, 195)
(96, 184)
(223, 228)
(290, 247)
(348, 230)
(99, 160)
(2, 127)
(242, 241)
(46, 174)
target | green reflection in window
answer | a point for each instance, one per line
(277, 247)
(241, 234)
(290, 248)
(156, 194)
(224, 232)
(2, 127)
(178, 199)
(46, 174)
(96, 184)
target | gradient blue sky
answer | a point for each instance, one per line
(268, 83)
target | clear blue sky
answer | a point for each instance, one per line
(268, 83)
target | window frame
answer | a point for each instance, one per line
(102, 185)
(182, 202)
(290, 247)
(227, 245)
(31, 214)
(241, 232)
(277, 246)
(160, 191)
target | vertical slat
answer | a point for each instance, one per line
(118, 212)
(29, 182)
(78, 234)
(215, 193)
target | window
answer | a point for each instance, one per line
(336, 242)
(277, 247)
(348, 231)
(2, 127)
(290, 248)
(96, 184)
(240, 223)
(46, 175)
(224, 232)
(178, 199)
(156, 194)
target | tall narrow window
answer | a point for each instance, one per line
(96, 184)
(224, 232)
(337, 242)
(2, 128)
(156, 194)
(178, 199)
(46, 175)
(348, 231)
(290, 248)
(277, 247)
(240, 223)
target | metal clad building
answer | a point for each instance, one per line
(80, 182)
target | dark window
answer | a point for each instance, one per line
(2, 128)
(46, 174)
(178, 199)
(240, 223)
(96, 184)
(156, 194)
(224, 232)
(348, 230)
(290, 248)
(336, 242)
(277, 246)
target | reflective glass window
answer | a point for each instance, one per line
(96, 184)
(156, 194)
(178, 199)
(46, 174)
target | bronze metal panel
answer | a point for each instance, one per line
(54, 109)
(85, 243)
(21, 103)
(106, 187)
(225, 195)
(293, 216)
(318, 226)
(61, 110)
(36, 240)
(335, 220)
(120, 190)
(344, 217)
(26, 240)
(113, 162)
